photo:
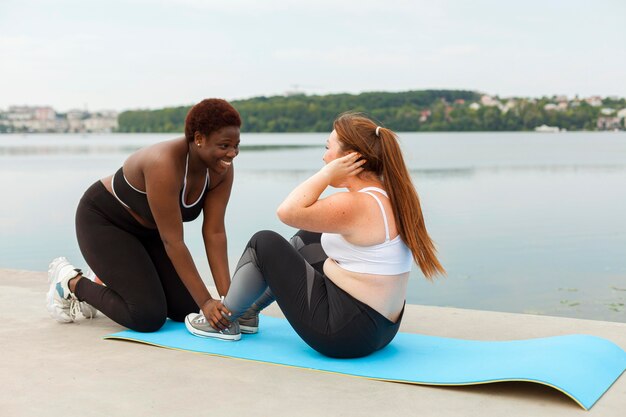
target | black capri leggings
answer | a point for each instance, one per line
(142, 286)
(327, 318)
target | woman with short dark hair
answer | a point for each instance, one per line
(130, 229)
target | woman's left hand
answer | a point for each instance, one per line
(216, 312)
(341, 168)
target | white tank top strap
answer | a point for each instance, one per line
(368, 190)
(182, 195)
(379, 190)
(392, 257)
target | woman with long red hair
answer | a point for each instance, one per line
(342, 280)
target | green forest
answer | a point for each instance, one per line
(425, 110)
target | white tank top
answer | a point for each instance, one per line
(392, 257)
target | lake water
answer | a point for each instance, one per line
(524, 222)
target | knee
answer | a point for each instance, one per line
(267, 245)
(148, 320)
(264, 236)
(267, 242)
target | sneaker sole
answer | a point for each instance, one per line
(207, 335)
(248, 329)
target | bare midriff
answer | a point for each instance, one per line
(106, 181)
(384, 293)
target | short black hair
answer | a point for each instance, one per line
(210, 115)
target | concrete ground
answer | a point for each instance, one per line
(53, 369)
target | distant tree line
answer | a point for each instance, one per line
(426, 110)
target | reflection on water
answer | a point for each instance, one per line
(60, 144)
(523, 222)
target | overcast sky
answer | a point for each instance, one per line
(125, 54)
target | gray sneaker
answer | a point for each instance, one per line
(249, 322)
(199, 326)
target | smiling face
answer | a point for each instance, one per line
(218, 150)
(333, 148)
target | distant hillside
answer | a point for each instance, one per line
(426, 110)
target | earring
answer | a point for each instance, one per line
(198, 144)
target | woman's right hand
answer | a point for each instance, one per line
(338, 170)
(216, 313)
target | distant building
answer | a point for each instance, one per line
(621, 114)
(550, 107)
(104, 122)
(45, 119)
(45, 113)
(75, 120)
(424, 115)
(595, 101)
(489, 101)
(607, 111)
(21, 113)
(510, 104)
(31, 119)
(474, 106)
(548, 129)
(609, 123)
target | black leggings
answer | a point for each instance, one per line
(142, 286)
(327, 318)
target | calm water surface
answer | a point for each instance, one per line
(524, 222)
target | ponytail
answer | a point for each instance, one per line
(406, 206)
(381, 150)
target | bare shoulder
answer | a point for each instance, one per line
(344, 203)
(343, 197)
(162, 155)
(370, 223)
(160, 161)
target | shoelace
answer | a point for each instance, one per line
(84, 307)
(74, 307)
(201, 319)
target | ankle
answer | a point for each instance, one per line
(73, 282)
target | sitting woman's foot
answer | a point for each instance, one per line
(61, 302)
(199, 326)
(249, 322)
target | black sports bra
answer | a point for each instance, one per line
(137, 200)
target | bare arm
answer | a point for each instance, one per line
(163, 190)
(214, 231)
(337, 213)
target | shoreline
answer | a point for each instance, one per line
(54, 368)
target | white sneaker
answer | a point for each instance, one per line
(62, 304)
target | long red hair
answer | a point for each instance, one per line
(384, 158)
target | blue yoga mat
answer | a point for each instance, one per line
(581, 366)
